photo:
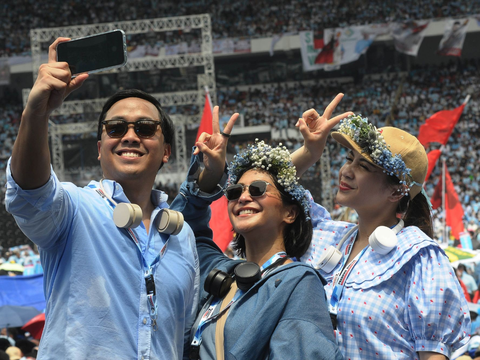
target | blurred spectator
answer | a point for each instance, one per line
(14, 352)
(5, 342)
(467, 279)
(27, 348)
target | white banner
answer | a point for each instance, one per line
(408, 36)
(232, 45)
(337, 46)
(453, 38)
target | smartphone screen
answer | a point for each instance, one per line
(94, 53)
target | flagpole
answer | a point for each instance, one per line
(207, 92)
(445, 239)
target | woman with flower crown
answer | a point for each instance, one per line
(391, 291)
(262, 307)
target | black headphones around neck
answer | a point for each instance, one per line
(246, 274)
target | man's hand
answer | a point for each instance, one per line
(54, 83)
(214, 149)
(30, 163)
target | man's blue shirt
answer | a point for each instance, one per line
(94, 285)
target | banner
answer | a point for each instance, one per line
(477, 18)
(453, 38)
(330, 48)
(408, 36)
(230, 46)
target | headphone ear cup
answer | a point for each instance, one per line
(218, 283)
(329, 259)
(383, 240)
(180, 221)
(247, 274)
(126, 215)
(169, 222)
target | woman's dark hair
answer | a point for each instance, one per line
(297, 236)
(166, 123)
(416, 211)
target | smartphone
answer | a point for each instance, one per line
(94, 53)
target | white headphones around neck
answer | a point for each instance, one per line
(382, 240)
(128, 215)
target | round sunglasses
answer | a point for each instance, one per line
(144, 128)
(256, 189)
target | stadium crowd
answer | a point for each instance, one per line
(230, 18)
(424, 91)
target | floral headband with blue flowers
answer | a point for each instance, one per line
(276, 160)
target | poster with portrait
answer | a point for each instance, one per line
(453, 37)
(408, 36)
(329, 48)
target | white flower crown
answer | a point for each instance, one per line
(275, 160)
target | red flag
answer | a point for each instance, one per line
(325, 56)
(454, 209)
(436, 199)
(206, 122)
(432, 161)
(439, 126)
(219, 222)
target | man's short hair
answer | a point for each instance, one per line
(166, 123)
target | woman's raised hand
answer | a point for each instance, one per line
(214, 149)
(315, 129)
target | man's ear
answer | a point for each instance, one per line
(166, 153)
(291, 213)
(99, 146)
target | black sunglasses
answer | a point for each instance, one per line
(144, 128)
(256, 189)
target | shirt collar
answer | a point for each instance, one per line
(115, 191)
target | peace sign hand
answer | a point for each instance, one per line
(315, 129)
(214, 149)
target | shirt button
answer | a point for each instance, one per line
(144, 322)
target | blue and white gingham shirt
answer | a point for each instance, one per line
(393, 305)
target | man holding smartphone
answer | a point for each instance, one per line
(111, 292)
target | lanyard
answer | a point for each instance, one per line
(148, 270)
(209, 315)
(340, 279)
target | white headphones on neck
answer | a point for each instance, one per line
(128, 215)
(382, 240)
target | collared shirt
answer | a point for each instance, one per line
(393, 305)
(94, 276)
